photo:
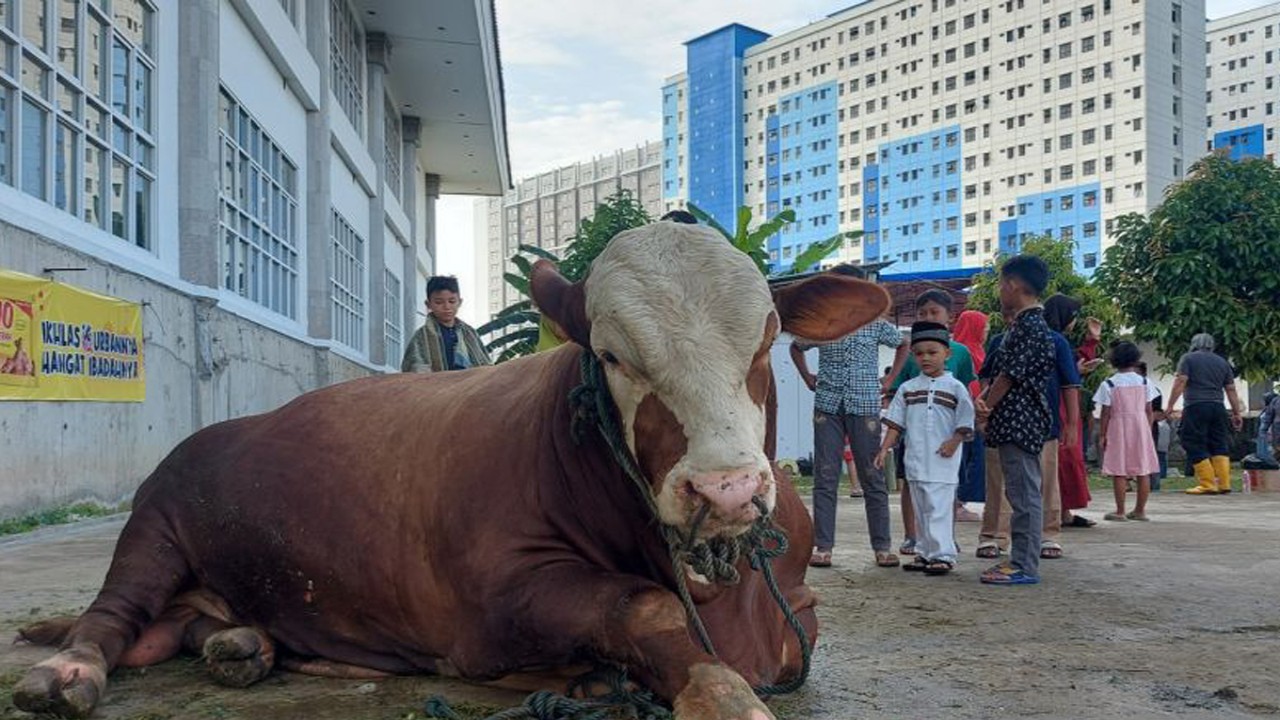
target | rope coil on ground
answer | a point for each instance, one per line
(715, 559)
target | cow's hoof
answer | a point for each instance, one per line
(67, 685)
(239, 657)
(715, 692)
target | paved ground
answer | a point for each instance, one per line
(1180, 616)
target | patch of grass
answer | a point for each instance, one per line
(1098, 481)
(58, 516)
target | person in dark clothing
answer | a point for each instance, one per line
(1205, 377)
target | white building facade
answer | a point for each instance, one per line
(946, 130)
(1243, 94)
(544, 210)
(260, 174)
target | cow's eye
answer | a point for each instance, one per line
(609, 357)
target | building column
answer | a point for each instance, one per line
(378, 47)
(412, 134)
(199, 181)
(431, 184)
(319, 200)
(198, 142)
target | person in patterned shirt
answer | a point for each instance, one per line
(1016, 413)
(847, 393)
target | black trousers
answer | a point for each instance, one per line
(1204, 431)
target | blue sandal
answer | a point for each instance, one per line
(1006, 575)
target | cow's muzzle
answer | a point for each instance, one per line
(729, 499)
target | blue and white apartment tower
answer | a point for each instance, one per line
(947, 131)
(712, 136)
(1243, 71)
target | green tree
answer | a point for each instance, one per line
(754, 242)
(1206, 260)
(521, 322)
(1063, 279)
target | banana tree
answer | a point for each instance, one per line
(519, 323)
(754, 242)
(525, 331)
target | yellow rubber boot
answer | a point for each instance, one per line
(1204, 475)
(1222, 472)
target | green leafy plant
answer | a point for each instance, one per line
(1206, 260)
(519, 326)
(754, 241)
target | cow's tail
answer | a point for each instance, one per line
(46, 633)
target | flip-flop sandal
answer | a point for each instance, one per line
(820, 559)
(908, 547)
(988, 552)
(887, 559)
(1050, 551)
(916, 565)
(1006, 575)
(1078, 521)
(856, 493)
(938, 567)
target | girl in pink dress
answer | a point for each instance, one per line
(1127, 448)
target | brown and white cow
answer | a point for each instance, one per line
(448, 523)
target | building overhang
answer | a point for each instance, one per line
(447, 71)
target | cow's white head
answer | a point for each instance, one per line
(683, 324)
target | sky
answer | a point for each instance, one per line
(584, 77)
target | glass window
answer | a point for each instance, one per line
(119, 197)
(34, 23)
(258, 215)
(346, 57)
(133, 20)
(34, 154)
(94, 165)
(347, 283)
(141, 95)
(119, 77)
(392, 331)
(5, 129)
(65, 196)
(69, 37)
(393, 145)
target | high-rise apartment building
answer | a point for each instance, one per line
(946, 130)
(544, 210)
(1243, 71)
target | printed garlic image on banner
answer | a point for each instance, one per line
(58, 342)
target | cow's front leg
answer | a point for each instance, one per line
(643, 627)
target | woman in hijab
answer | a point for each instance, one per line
(970, 330)
(1060, 313)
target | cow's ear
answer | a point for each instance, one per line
(827, 307)
(565, 303)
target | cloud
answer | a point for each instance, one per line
(651, 40)
(546, 134)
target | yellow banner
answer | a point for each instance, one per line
(59, 342)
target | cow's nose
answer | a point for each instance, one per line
(729, 493)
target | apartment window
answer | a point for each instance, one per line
(76, 125)
(392, 147)
(347, 283)
(392, 333)
(346, 60)
(258, 194)
(1090, 260)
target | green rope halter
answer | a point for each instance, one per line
(715, 559)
